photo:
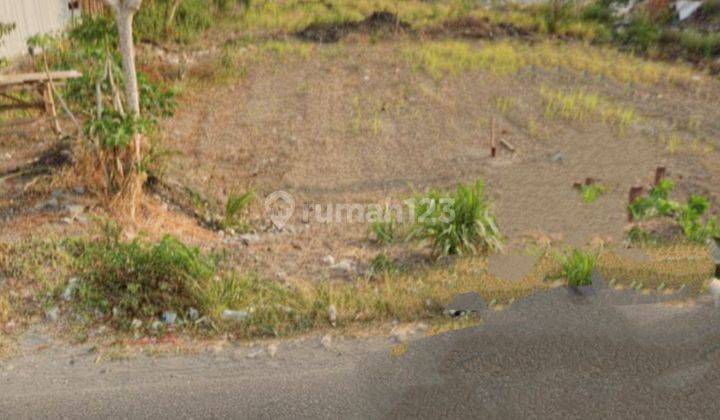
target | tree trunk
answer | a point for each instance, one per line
(124, 21)
(124, 11)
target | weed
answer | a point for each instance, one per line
(381, 264)
(5, 28)
(577, 267)
(590, 193)
(235, 207)
(463, 222)
(385, 231)
(505, 104)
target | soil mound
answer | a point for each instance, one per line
(472, 28)
(378, 22)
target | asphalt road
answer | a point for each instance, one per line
(550, 356)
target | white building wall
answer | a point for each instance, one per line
(31, 17)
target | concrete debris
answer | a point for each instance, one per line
(465, 303)
(332, 315)
(69, 292)
(169, 317)
(715, 291)
(230, 315)
(685, 9)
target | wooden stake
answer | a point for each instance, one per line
(50, 106)
(493, 149)
(659, 174)
(635, 193)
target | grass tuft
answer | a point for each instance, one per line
(461, 223)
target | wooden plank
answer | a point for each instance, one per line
(37, 105)
(31, 78)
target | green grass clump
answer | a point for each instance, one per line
(591, 193)
(460, 223)
(577, 267)
(385, 232)
(705, 44)
(235, 209)
(139, 279)
(381, 264)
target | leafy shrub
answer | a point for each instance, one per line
(461, 223)
(598, 11)
(641, 33)
(657, 203)
(577, 267)
(113, 131)
(689, 216)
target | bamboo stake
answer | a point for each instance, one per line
(493, 149)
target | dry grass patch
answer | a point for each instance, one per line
(668, 267)
(585, 107)
(440, 58)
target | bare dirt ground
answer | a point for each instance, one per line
(357, 123)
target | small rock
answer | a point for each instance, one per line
(193, 314)
(69, 293)
(52, 314)
(255, 353)
(344, 267)
(80, 190)
(328, 259)
(399, 334)
(249, 238)
(230, 315)
(332, 315)
(715, 253)
(326, 342)
(272, 350)
(52, 203)
(156, 325)
(557, 158)
(169, 317)
(136, 324)
(715, 292)
(281, 275)
(75, 210)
